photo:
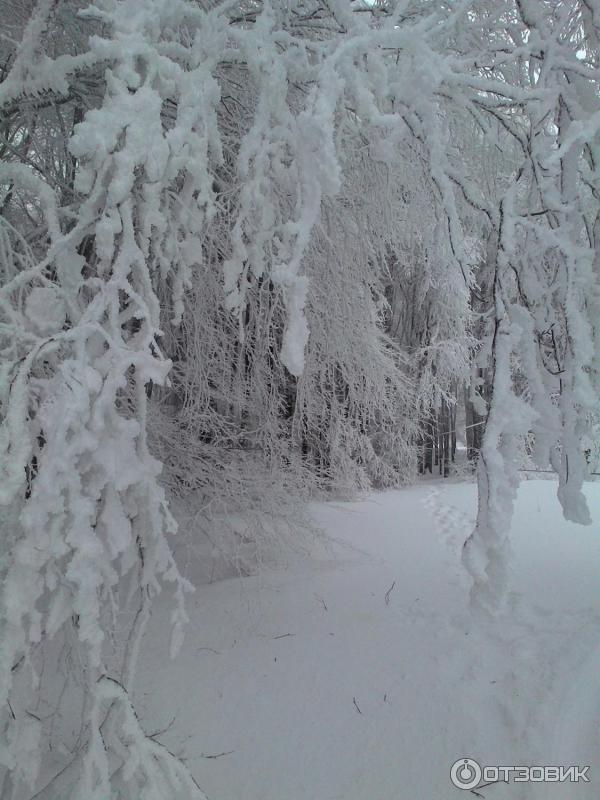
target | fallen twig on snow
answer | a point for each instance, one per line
(387, 594)
(217, 755)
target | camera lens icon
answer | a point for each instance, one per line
(465, 773)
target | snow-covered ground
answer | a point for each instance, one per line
(361, 673)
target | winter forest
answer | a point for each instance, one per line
(289, 289)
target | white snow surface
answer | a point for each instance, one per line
(360, 672)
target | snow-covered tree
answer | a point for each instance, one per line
(545, 274)
(264, 244)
